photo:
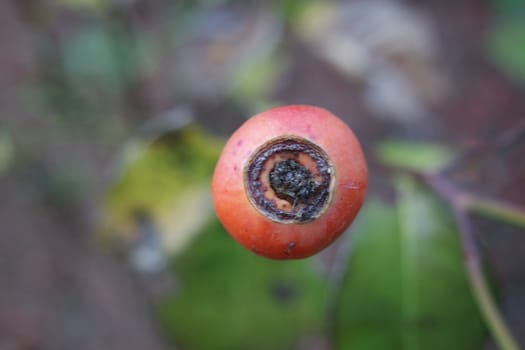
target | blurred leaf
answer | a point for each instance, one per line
(63, 185)
(419, 156)
(6, 151)
(167, 181)
(81, 5)
(232, 299)
(257, 78)
(293, 9)
(89, 54)
(508, 7)
(406, 287)
(91, 84)
(506, 46)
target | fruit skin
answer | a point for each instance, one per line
(294, 240)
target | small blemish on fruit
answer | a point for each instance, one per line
(240, 142)
(290, 247)
(351, 186)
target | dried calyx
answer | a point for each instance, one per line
(289, 180)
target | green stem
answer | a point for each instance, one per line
(495, 209)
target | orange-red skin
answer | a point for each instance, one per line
(299, 240)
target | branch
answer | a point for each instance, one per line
(495, 209)
(479, 284)
(461, 204)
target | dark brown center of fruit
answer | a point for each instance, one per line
(293, 182)
(289, 180)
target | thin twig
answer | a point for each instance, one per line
(460, 205)
(496, 209)
(492, 315)
(491, 208)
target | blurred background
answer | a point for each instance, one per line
(113, 113)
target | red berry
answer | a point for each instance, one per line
(290, 181)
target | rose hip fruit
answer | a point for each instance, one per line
(290, 181)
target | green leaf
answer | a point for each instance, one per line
(231, 299)
(406, 287)
(419, 156)
(506, 46)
